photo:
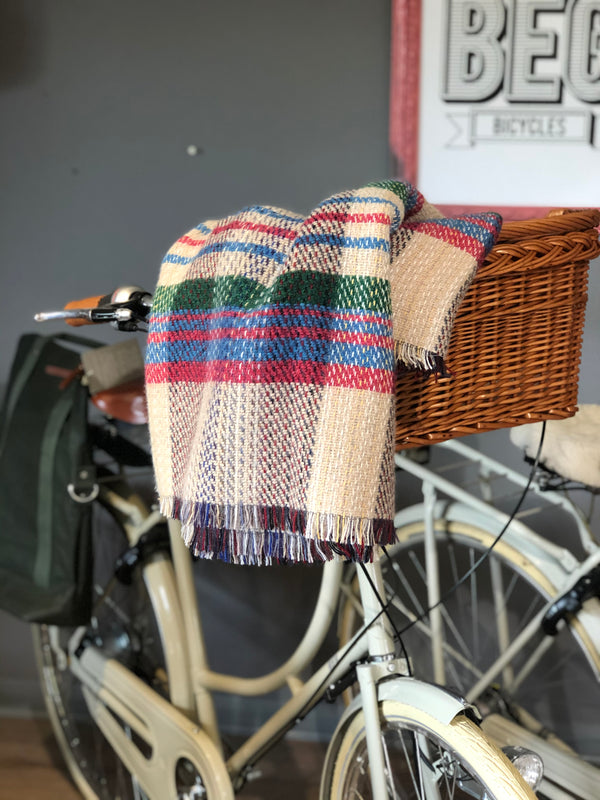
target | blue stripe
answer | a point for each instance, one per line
(172, 258)
(243, 247)
(353, 198)
(359, 242)
(230, 247)
(267, 211)
(280, 350)
(466, 226)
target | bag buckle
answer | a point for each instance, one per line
(84, 488)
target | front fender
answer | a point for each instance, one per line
(439, 703)
(423, 697)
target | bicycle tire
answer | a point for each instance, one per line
(124, 622)
(552, 694)
(451, 762)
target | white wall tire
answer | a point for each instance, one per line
(458, 750)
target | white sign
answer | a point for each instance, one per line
(508, 101)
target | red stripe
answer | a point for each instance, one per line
(270, 372)
(189, 241)
(296, 332)
(419, 203)
(451, 236)
(246, 225)
(241, 225)
(378, 319)
(320, 216)
(491, 226)
(342, 216)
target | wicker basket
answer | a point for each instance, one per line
(516, 344)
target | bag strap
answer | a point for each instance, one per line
(58, 416)
(48, 445)
(19, 384)
(29, 364)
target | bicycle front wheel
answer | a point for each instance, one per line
(549, 685)
(424, 759)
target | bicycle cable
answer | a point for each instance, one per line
(424, 614)
(354, 639)
(385, 606)
(385, 609)
(319, 690)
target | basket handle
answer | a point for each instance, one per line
(559, 221)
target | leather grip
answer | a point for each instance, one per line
(86, 302)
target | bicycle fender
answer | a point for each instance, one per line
(543, 553)
(439, 703)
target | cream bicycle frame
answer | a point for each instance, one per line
(150, 734)
(128, 711)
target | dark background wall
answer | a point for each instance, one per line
(285, 102)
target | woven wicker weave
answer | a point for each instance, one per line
(516, 344)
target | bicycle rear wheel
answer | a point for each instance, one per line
(549, 686)
(123, 624)
(424, 759)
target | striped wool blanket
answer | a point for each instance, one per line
(270, 368)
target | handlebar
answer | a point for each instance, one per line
(126, 308)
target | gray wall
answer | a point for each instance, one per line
(287, 103)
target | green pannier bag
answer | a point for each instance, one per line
(45, 534)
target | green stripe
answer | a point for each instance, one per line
(293, 288)
(396, 187)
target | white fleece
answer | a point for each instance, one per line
(571, 446)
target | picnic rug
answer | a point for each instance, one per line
(270, 368)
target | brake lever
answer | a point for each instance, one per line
(48, 316)
(130, 306)
(98, 315)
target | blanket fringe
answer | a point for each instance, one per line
(263, 535)
(418, 358)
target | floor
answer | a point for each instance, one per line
(31, 767)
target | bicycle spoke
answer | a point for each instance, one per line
(479, 621)
(474, 607)
(452, 561)
(450, 775)
(533, 608)
(390, 772)
(422, 573)
(409, 763)
(550, 682)
(424, 628)
(420, 608)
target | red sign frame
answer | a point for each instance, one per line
(405, 86)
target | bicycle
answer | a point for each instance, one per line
(521, 637)
(129, 695)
